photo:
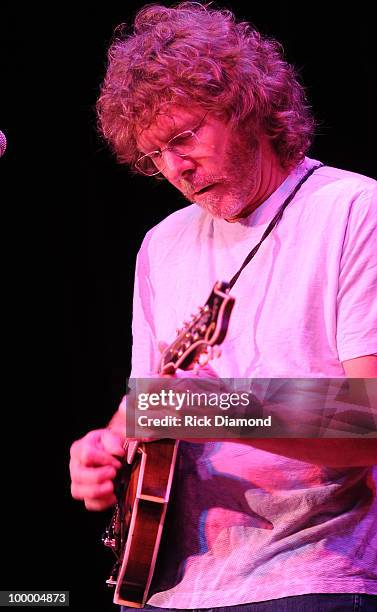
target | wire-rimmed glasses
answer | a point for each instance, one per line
(182, 144)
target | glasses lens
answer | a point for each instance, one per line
(153, 163)
(148, 164)
(182, 143)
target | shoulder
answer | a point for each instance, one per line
(177, 230)
(335, 195)
(182, 220)
(345, 183)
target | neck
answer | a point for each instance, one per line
(271, 176)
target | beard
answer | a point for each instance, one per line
(230, 190)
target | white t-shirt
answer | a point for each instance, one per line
(248, 525)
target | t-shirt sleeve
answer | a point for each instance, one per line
(357, 295)
(144, 344)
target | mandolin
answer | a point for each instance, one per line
(143, 484)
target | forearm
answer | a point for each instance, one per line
(118, 421)
(340, 452)
(358, 408)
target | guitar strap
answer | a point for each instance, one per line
(273, 223)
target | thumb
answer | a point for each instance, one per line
(112, 443)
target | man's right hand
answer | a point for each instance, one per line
(93, 467)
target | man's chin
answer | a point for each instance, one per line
(220, 212)
(212, 210)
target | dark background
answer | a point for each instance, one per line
(72, 223)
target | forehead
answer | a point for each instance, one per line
(168, 122)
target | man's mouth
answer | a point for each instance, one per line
(203, 190)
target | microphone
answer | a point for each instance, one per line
(3, 143)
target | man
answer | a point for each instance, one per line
(272, 524)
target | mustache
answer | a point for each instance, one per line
(189, 187)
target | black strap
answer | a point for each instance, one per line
(274, 222)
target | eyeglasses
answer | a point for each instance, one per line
(182, 144)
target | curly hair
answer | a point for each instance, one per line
(192, 54)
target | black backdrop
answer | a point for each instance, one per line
(72, 223)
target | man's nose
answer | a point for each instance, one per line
(176, 166)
